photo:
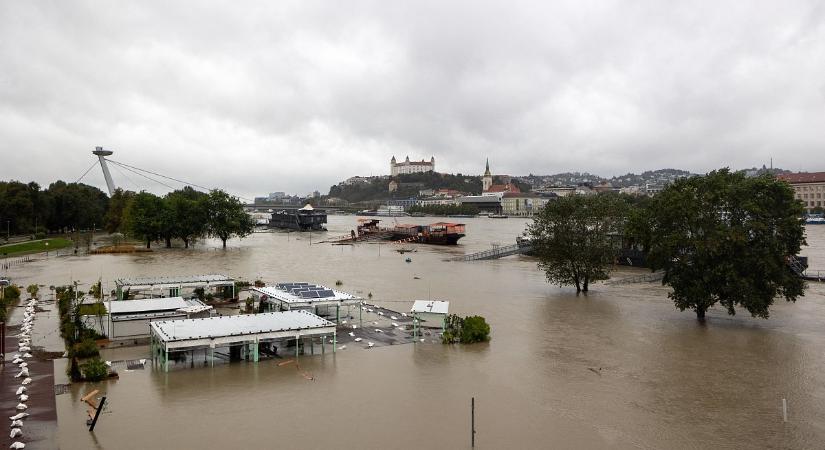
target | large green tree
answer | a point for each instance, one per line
(117, 207)
(189, 208)
(144, 217)
(227, 217)
(575, 238)
(727, 238)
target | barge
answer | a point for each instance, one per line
(300, 219)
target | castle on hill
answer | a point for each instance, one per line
(407, 166)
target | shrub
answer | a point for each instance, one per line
(12, 293)
(40, 235)
(259, 283)
(32, 290)
(94, 369)
(86, 349)
(474, 329)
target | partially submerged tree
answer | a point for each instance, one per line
(575, 238)
(144, 216)
(190, 210)
(227, 217)
(727, 238)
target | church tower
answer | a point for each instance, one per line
(487, 179)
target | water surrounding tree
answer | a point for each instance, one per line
(726, 238)
(190, 210)
(143, 217)
(226, 217)
(575, 238)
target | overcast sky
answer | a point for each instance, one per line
(296, 96)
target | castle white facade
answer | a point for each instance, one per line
(407, 166)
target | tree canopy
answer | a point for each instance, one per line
(144, 217)
(62, 207)
(575, 237)
(727, 238)
(226, 217)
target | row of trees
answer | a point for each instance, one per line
(62, 207)
(184, 214)
(719, 238)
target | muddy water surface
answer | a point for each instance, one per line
(618, 368)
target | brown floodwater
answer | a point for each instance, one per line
(617, 368)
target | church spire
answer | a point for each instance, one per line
(487, 169)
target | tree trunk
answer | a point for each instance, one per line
(148, 243)
(586, 283)
(224, 242)
(168, 242)
(700, 313)
(185, 243)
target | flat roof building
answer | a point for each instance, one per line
(315, 298)
(172, 286)
(434, 311)
(245, 333)
(128, 320)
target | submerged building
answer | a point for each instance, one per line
(299, 219)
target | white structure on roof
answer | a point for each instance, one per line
(430, 306)
(249, 330)
(171, 286)
(129, 319)
(305, 296)
(433, 311)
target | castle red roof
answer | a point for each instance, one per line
(803, 177)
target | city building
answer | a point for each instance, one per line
(484, 203)
(523, 204)
(809, 188)
(406, 167)
(437, 201)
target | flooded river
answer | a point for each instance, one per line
(617, 368)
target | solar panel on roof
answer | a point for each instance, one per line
(309, 294)
(326, 293)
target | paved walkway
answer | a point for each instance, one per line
(40, 428)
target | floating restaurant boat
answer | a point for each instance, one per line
(439, 233)
(815, 220)
(301, 219)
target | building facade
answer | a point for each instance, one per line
(809, 188)
(407, 166)
(523, 204)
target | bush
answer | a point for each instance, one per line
(12, 293)
(474, 329)
(86, 349)
(94, 369)
(40, 235)
(32, 290)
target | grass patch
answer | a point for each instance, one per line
(35, 246)
(92, 309)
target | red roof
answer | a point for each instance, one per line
(503, 188)
(803, 177)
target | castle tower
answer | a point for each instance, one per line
(393, 170)
(487, 179)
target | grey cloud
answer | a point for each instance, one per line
(298, 95)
